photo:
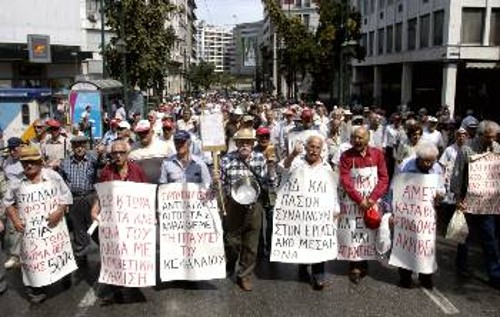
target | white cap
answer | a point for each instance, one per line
(142, 125)
(432, 119)
(124, 125)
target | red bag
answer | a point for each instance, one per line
(372, 217)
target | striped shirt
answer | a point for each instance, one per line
(81, 175)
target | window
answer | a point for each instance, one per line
(380, 42)
(472, 25)
(365, 7)
(425, 28)
(372, 6)
(307, 3)
(437, 33)
(388, 45)
(412, 34)
(495, 27)
(298, 3)
(364, 41)
(398, 38)
(371, 37)
(381, 4)
(25, 114)
(306, 20)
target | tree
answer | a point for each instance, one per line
(339, 28)
(226, 80)
(141, 25)
(202, 75)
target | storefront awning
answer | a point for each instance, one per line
(482, 65)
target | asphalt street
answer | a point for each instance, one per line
(277, 292)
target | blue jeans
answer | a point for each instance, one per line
(485, 226)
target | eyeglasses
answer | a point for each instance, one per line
(118, 152)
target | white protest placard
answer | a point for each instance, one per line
(191, 236)
(414, 241)
(212, 133)
(356, 241)
(304, 228)
(483, 192)
(56, 151)
(127, 233)
(46, 253)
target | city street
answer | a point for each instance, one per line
(277, 292)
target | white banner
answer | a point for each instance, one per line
(212, 131)
(191, 236)
(414, 241)
(483, 192)
(127, 233)
(304, 228)
(356, 241)
(46, 253)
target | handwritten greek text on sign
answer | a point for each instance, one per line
(414, 243)
(127, 233)
(46, 253)
(191, 237)
(483, 193)
(356, 242)
(304, 230)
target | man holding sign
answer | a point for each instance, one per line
(415, 189)
(305, 226)
(36, 204)
(363, 175)
(476, 170)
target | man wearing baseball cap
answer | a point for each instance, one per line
(147, 146)
(56, 147)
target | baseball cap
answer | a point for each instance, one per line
(168, 124)
(142, 126)
(182, 135)
(306, 114)
(14, 142)
(247, 118)
(432, 119)
(461, 130)
(263, 131)
(124, 125)
(52, 123)
(79, 138)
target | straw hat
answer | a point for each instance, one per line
(245, 134)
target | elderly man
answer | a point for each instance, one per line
(363, 160)
(119, 169)
(424, 162)
(79, 170)
(40, 133)
(148, 146)
(485, 224)
(56, 146)
(187, 122)
(243, 221)
(313, 161)
(34, 173)
(13, 170)
(183, 167)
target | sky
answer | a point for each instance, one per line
(229, 12)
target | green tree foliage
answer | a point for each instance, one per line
(147, 38)
(226, 80)
(202, 75)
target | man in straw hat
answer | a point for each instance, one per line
(243, 221)
(35, 173)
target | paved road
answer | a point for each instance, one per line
(277, 292)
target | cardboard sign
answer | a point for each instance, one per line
(191, 236)
(304, 228)
(212, 133)
(56, 151)
(356, 241)
(46, 253)
(414, 241)
(127, 233)
(483, 193)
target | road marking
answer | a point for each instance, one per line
(87, 301)
(439, 299)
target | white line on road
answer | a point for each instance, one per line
(87, 301)
(437, 297)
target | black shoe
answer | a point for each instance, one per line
(317, 284)
(66, 282)
(406, 283)
(426, 281)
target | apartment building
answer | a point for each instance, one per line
(214, 44)
(427, 53)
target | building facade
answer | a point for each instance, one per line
(428, 53)
(213, 45)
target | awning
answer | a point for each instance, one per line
(97, 84)
(482, 65)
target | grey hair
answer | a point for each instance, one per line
(121, 142)
(487, 124)
(426, 150)
(355, 128)
(314, 137)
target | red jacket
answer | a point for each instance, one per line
(352, 159)
(134, 174)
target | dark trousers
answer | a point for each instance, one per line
(243, 225)
(80, 220)
(484, 227)
(3, 281)
(405, 274)
(390, 161)
(317, 270)
(266, 231)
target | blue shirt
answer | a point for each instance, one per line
(196, 171)
(410, 166)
